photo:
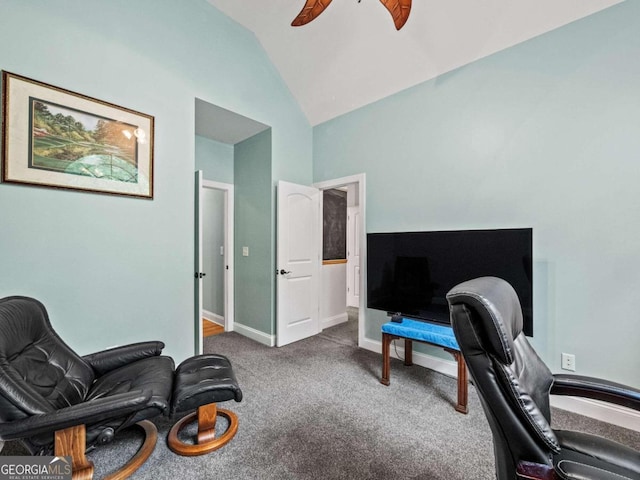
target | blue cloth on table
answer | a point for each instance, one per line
(441, 335)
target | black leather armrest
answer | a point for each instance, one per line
(597, 389)
(88, 412)
(107, 360)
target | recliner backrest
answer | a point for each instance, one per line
(38, 372)
(512, 381)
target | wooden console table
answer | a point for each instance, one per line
(429, 333)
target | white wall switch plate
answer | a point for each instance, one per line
(245, 251)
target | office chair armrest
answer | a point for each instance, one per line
(596, 389)
(93, 411)
(107, 360)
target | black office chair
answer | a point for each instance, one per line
(58, 403)
(514, 386)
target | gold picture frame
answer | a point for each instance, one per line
(52, 137)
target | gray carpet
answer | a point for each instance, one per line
(315, 410)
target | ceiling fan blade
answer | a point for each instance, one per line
(399, 10)
(311, 9)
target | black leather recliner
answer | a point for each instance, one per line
(514, 386)
(58, 403)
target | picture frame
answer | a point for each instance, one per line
(53, 137)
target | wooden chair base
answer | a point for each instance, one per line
(72, 442)
(206, 439)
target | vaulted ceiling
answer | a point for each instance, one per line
(352, 55)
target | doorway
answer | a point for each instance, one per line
(214, 277)
(329, 295)
(217, 253)
(217, 133)
(351, 300)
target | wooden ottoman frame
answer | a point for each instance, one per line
(206, 440)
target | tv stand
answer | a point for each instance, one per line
(432, 334)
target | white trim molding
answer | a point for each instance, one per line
(213, 317)
(606, 412)
(257, 335)
(335, 320)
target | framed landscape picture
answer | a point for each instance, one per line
(56, 138)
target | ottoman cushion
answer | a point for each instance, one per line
(204, 379)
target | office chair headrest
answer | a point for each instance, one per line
(497, 305)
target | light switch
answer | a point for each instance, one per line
(221, 249)
(245, 251)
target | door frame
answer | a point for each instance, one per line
(229, 298)
(197, 260)
(353, 218)
(360, 180)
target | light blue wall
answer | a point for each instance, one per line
(113, 270)
(254, 274)
(215, 159)
(543, 135)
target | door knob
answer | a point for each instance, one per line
(200, 275)
(283, 272)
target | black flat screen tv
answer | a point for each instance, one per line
(410, 273)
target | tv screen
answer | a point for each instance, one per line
(410, 273)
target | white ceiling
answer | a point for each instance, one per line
(352, 55)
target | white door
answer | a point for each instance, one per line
(353, 257)
(197, 290)
(298, 259)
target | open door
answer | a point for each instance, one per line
(199, 274)
(298, 259)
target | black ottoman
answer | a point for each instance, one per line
(200, 383)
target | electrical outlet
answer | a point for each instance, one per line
(568, 362)
(245, 251)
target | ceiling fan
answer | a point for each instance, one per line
(399, 10)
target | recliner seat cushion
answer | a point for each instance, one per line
(153, 374)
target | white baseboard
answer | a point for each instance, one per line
(257, 335)
(620, 416)
(606, 412)
(213, 317)
(335, 320)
